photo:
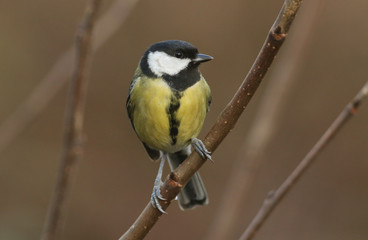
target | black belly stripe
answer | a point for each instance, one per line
(172, 111)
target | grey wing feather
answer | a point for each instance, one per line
(209, 103)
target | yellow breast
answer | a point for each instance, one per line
(152, 120)
(192, 111)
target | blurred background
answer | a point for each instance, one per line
(115, 178)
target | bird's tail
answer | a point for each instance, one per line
(194, 192)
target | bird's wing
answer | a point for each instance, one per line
(154, 154)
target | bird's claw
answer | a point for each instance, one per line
(201, 149)
(156, 196)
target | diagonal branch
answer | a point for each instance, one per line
(274, 198)
(267, 118)
(73, 136)
(225, 122)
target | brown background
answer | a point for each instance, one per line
(115, 178)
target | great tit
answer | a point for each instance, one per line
(167, 103)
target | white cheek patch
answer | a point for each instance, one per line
(161, 63)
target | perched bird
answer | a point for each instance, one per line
(167, 104)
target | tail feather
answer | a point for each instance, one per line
(194, 192)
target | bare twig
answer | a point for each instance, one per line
(56, 78)
(274, 198)
(73, 136)
(250, 157)
(225, 122)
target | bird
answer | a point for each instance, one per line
(167, 103)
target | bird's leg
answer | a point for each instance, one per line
(156, 194)
(201, 149)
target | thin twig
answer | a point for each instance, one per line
(250, 157)
(274, 198)
(225, 122)
(73, 137)
(57, 76)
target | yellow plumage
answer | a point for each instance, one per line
(150, 99)
(192, 111)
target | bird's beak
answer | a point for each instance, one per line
(202, 58)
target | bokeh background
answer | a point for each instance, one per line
(115, 178)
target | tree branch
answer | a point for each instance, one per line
(274, 198)
(73, 136)
(225, 122)
(265, 122)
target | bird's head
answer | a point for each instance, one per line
(170, 58)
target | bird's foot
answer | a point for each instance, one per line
(156, 195)
(201, 149)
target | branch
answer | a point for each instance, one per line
(225, 122)
(73, 135)
(56, 78)
(274, 198)
(264, 125)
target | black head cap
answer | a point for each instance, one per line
(181, 50)
(175, 48)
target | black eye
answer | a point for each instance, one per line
(179, 54)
